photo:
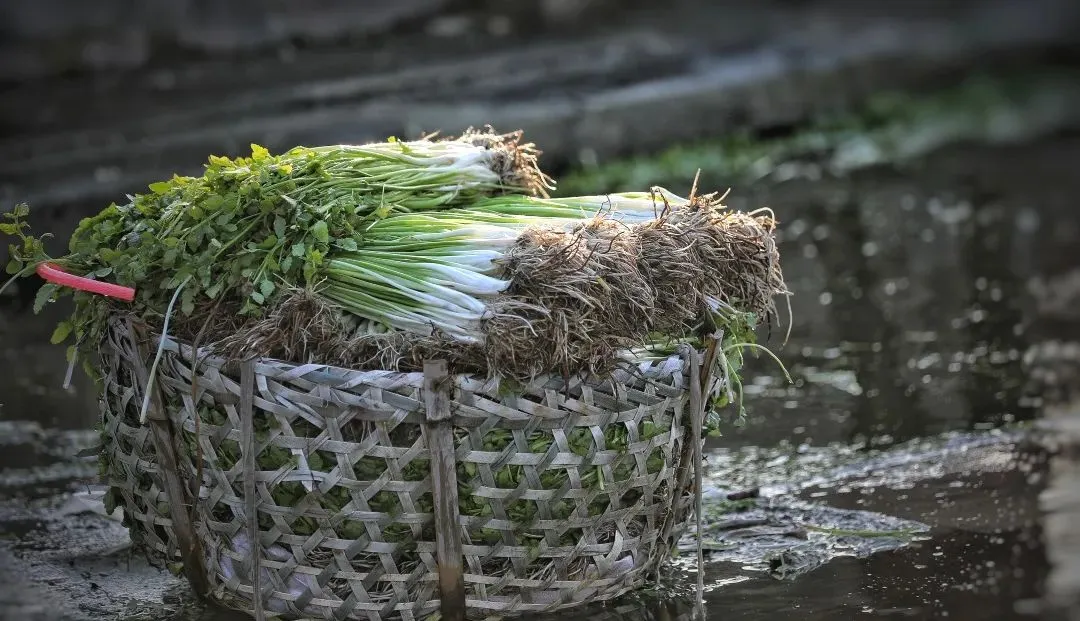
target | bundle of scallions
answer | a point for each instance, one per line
(249, 227)
(403, 237)
(435, 272)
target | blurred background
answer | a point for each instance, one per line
(920, 155)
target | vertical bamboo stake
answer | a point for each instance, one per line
(697, 412)
(704, 378)
(168, 467)
(247, 440)
(440, 442)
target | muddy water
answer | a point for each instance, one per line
(913, 308)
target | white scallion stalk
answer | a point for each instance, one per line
(623, 207)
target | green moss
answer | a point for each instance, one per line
(890, 127)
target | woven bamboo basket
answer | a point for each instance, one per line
(580, 520)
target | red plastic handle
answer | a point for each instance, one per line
(53, 274)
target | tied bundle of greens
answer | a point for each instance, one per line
(250, 225)
(562, 295)
(438, 272)
(379, 255)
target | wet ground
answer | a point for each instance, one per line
(919, 287)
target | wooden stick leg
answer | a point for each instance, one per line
(180, 504)
(247, 438)
(440, 441)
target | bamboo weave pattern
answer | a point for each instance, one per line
(566, 485)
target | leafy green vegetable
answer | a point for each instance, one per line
(249, 225)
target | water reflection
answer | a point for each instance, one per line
(914, 283)
(994, 383)
(911, 300)
(857, 317)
